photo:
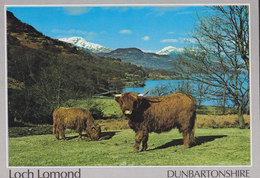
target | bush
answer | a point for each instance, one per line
(113, 124)
(96, 112)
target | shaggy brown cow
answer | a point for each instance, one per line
(77, 119)
(159, 114)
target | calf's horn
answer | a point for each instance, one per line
(118, 95)
(144, 93)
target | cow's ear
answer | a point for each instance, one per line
(140, 99)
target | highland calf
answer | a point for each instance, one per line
(77, 119)
(159, 114)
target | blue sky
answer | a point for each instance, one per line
(147, 28)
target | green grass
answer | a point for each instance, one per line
(214, 147)
(108, 106)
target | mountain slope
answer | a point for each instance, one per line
(140, 58)
(51, 72)
(82, 43)
(29, 47)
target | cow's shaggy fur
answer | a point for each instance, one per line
(77, 119)
(159, 114)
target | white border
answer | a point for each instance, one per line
(137, 5)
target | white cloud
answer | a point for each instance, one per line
(125, 31)
(77, 31)
(71, 31)
(146, 38)
(185, 12)
(188, 40)
(76, 10)
(169, 41)
(103, 32)
(159, 11)
(74, 32)
(91, 35)
(120, 9)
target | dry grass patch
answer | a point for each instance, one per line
(203, 121)
(220, 121)
(113, 124)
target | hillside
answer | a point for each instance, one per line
(37, 49)
(52, 71)
(140, 58)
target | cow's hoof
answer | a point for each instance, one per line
(135, 151)
(186, 146)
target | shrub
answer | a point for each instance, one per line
(96, 112)
(113, 124)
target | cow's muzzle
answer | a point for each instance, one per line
(127, 112)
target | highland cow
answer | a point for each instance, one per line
(159, 114)
(77, 119)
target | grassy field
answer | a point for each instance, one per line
(213, 147)
(218, 142)
(108, 106)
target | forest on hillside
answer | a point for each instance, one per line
(44, 73)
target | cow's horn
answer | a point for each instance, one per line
(144, 93)
(118, 95)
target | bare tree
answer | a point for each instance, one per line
(163, 89)
(199, 90)
(201, 93)
(220, 57)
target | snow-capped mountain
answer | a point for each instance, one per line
(82, 43)
(169, 50)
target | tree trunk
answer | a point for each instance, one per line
(224, 102)
(241, 118)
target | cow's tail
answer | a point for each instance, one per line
(54, 128)
(193, 128)
(193, 122)
(54, 125)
